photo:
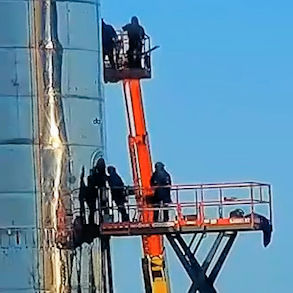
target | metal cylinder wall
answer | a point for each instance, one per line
(52, 124)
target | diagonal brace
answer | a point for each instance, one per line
(200, 281)
(212, 252)
(192, 267)
(215, 271)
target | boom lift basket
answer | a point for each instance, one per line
(122, 69)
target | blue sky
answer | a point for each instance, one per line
(219, 108)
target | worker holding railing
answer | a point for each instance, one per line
(118, 192)
(97, 190)
(161, 181)
(136, 36)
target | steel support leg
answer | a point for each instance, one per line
(199, 242)
(212, 252)
(215, 271)
(200, 281)
(191, 265)
(106, 265)
(192, 240)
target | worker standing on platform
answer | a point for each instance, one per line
(109, 38)
(136, 36)
(97, 190)
(118, 192)
(162, 195)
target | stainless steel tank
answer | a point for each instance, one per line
(52, 124)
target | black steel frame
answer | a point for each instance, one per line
(201, 282)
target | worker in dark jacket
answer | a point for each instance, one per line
(97, 189)
(162, 195)
(118, 192)
(109, 38)
(136, 36)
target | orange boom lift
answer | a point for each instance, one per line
(214, 209)
(153, 262)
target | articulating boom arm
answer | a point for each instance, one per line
(153, 262)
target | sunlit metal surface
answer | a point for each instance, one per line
(51, 108)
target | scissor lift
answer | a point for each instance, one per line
(223, 209)
(198, 210)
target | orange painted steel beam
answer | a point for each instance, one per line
(153, 248)
(141, 159)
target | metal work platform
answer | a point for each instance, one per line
(216, 211)
(221, 210)
(123, 69)
(199, 208)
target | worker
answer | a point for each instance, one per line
(83, 232)
(109, 38)
(162, 195)
(136, 36)
(97, 190)
(118, 192)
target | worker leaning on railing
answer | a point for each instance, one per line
(136, 36)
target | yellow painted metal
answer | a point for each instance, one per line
(160, 286)
(141, 162)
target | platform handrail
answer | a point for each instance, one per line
(203, 201)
